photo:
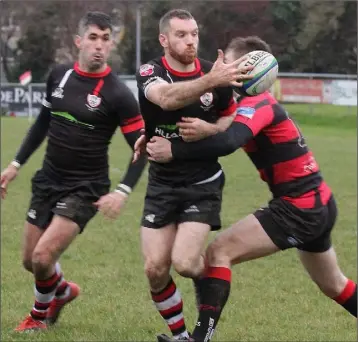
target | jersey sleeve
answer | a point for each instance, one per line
(127, 111)
(46, 101)
(226, 101)
(148, 75)
(131, 122)
(255, 115)
(38, 131)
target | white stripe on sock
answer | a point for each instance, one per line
(170, 302)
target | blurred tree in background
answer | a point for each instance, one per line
(305, 36)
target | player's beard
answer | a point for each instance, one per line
(186, 58)
(93, 66)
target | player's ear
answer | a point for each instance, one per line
(77, 40)
(163, 40)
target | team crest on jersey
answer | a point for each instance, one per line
(146, 70)
(207, 101)
(93, 100)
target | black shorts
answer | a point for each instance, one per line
(165, 204)
(306, 229)
(73, 201)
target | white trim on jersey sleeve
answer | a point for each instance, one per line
(46, 103)
(151, 81)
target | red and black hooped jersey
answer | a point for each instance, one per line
(274, 144)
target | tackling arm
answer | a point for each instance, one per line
(218, 145)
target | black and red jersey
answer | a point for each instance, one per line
(80, 115)
(209, 107)
(274, 144)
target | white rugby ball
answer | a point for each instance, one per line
(265, 72)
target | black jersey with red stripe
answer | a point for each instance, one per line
(85, 110)
(209, 107)
(274, 144)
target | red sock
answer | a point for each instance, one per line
(348, 298)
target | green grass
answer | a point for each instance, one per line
(272, 299)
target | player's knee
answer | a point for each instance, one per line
(186, 266)
(216, 254)
(41, 260)
(156, 271)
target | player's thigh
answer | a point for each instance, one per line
(324, 270)
(56, 239)
(326, 224)
(245, 240)
(157, 244)
(190, 241)
(76, 204)
(201, 203)
(160, 206)
(44, 196)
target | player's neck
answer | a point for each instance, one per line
(83, 67)
(177, 66)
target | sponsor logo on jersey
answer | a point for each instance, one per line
(167, 131)
(246, 111)
(146, 70)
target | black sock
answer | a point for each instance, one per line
(214, 289)
(348, 298)
(196, 283)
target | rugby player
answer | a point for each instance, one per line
(183, 199)
(85, 103)
(301, 213)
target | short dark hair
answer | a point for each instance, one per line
(243, 45)
(100, 19)
(174, 13)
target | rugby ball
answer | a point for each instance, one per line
(265, 72)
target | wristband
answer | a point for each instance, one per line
(16, 164)
(123, 189)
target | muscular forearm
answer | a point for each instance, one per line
(218, 145)
(180, 94)
(35, 136)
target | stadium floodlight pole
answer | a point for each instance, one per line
(138, 34)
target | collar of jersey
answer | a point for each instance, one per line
(91, 74)
(179, 73)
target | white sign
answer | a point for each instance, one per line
(344, 92)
